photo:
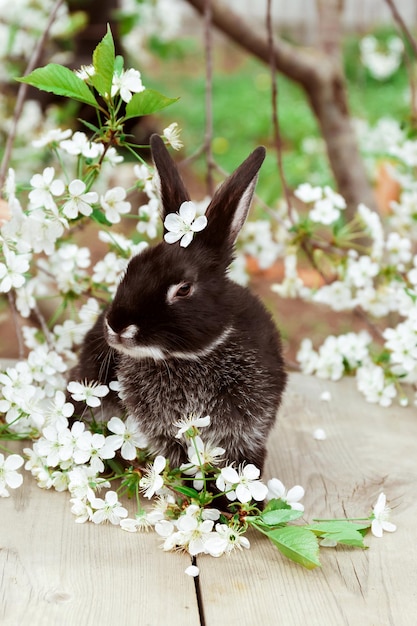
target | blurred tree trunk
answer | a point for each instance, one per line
(319, 71)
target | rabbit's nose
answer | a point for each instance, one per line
(129, 333)
(124, 337)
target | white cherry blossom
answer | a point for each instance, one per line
(190, 424)
(183, 225)
(224, 540)
(371, 382)
(126, 83)
(307, 193)
(108, 510)
(12, 270)
(276, 489)
(172, 136)
(114, 204)
(381, 514)
(44, 187)
(152, 481)
(52, 138)
(128, 436)
(80, 144)
(243, 485)
(85, 72)
(80, 201)
(93, 449)
(9, 477)
(90, 393)
(149, 218)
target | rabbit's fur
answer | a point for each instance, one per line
(186, 340)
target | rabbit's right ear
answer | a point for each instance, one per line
(171, 188)
(230, 205)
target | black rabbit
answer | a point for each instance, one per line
(186, 340)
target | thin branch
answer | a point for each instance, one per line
(208, 46)
(257, 198)
(403, 26)
(408, 60)
(275, 117)
(21, 94)
(193, 157)
(44, 326)
(16, 322)
(298, 63)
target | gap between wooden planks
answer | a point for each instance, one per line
(54, 571)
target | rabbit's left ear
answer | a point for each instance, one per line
(171, 188)
(230, 205)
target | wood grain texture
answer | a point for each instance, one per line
(53, 571)
(367, 450)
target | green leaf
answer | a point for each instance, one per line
(187, 491)
(341, 531)
(276, 503)
(98, 216)
(352, 538)
(298, 544)
(147, 102)
(280, 516)
(118, 64)
(95, 129)
(103, 61)
(61, 81)
(337, 526)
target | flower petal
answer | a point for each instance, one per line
(376, 528)
(251, 471)
(164, 528)
(202, 421)
(380, 504)
(159, 463)
(295, 493)
(76, 187)
(128, 451)
(199, 224)
(192, 570)
(111, 498)
(116, 426)
(389, 527)
(173, 223)
(14, 480)
(186, 239)
(230, 475)
(243, 494)
(187, 211)
(13, 462)
(276, 488)
(258, 490)
(172, 237)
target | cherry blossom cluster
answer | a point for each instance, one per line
(26, 19)
(382, 60)
(204, 507)
(368, 267)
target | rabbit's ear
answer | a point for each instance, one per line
(171, 188)
(230, 205)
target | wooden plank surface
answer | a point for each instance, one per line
(54, 571)
(367, 450)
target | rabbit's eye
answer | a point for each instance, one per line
(181, 290)
(184, 290)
